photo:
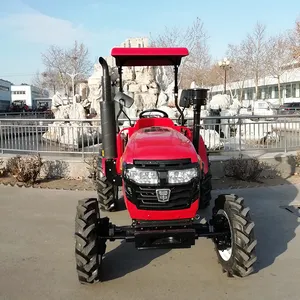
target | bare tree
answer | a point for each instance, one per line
(213, 76)
(280, 55)
(61, 62)
(295, 40)
(254, 50)
(49, 80)
(198, 65)
(194, 38)
(239, 62)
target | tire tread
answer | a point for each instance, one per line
(244, 256)
(87, 258)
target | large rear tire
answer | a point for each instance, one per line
(89, 249)
(236, 252)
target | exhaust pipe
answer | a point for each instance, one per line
(198, 98)
(108, 117)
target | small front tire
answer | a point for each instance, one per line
(89, 249)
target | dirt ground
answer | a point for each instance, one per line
(81, 185)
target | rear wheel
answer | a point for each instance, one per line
(236, 251)
(89, 248)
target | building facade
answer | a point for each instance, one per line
(5, 95)
(26, 93)
(267, 88)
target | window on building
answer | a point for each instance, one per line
(271, 92)
(250, 94)
(298, 88)
(294, 89)
(276, 94)
(288, 91)
(260, 93)
(4, 88)
(244, 95)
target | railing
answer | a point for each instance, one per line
(26, 115)
(83, 137)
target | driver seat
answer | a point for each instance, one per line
(150, 122)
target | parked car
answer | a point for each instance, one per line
(42, 106)
(260, 108)
(289, 108)
(19, 106)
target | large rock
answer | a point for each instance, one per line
(149, 87)
(211, 139)
(219, 101)
(134, 88)
(78, 135)
(73, 133)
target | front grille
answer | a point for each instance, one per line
(163, 164)
(181, 196)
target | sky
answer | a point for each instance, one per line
(29, 27)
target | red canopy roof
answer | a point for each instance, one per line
(148, 56)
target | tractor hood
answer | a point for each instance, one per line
(158, 143)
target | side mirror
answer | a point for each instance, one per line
(184, 99)
(123, 99)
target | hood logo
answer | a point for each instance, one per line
(163, 195)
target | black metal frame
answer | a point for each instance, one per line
(120, 72)
(160, 234)
(111, 172)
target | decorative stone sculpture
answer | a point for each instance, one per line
(141, 83)
(58, 106)
(73, 133)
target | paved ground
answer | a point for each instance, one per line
(37, 260)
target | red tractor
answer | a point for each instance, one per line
(163, 170)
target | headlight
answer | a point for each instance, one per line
(142, 176)
(182, 176)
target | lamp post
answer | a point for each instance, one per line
(225, 65)
(73, 75)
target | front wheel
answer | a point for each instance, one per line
(236, 250)
(89, 248)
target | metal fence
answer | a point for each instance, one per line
(27, 115)
(83, 137)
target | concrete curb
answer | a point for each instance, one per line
(24, 186)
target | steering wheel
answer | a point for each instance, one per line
(163, 113)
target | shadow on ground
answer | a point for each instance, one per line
(125, 259)
(275, 224)
(275, 211)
